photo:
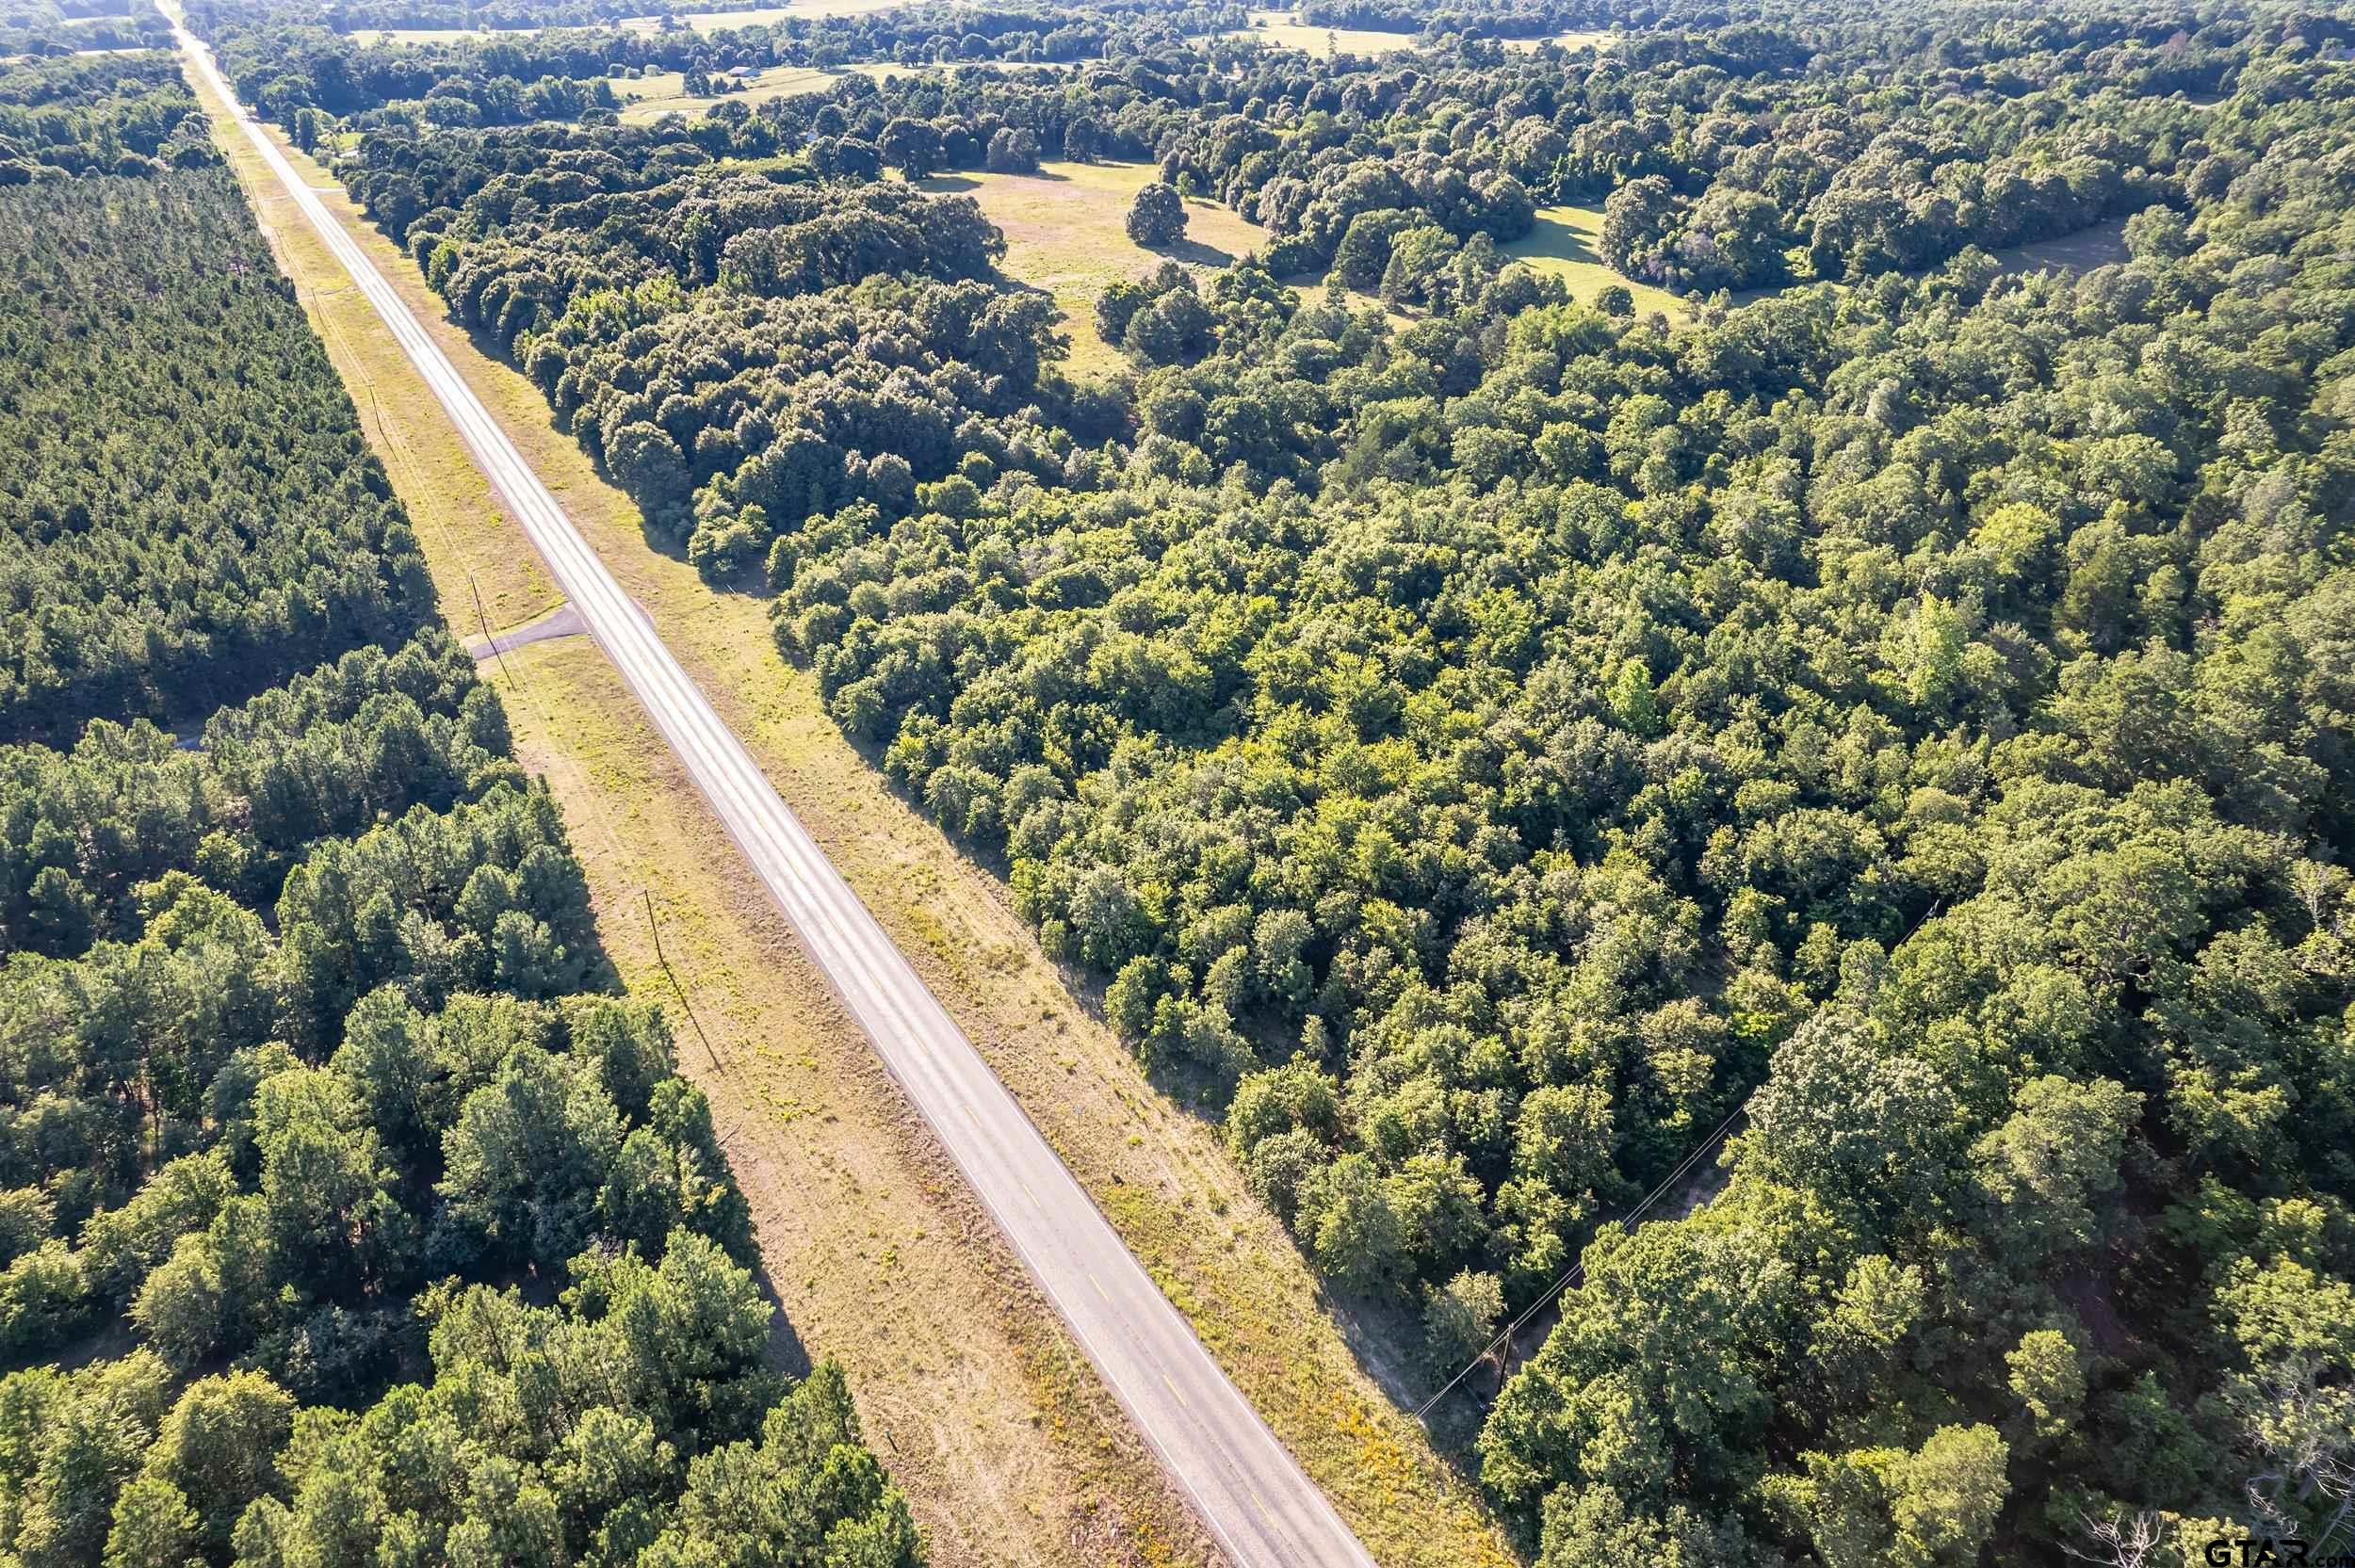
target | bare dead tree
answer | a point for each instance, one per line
(2305, 1428)
(2124, 1540)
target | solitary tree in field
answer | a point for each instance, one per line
(1014, 151)
(1158, 217)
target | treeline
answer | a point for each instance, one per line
(495, 15)
(1487, 19)
(1700, 203)
(344, 1213)
(1028, 31)
(1730, 159)
(1828, 692)
(1736, 158)
(190, 502)
(98, 114)
(295, 74)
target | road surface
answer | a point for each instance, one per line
(1248, 1489)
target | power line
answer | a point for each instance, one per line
(1570, 1275)
(661, 959)
(484, 615)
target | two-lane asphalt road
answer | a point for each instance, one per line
(1248, 1489)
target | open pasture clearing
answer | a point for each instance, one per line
(1567, 40)
(1277, 30)
(1066, 232)
(2098, 246)
(778, 81)
(1566, 244)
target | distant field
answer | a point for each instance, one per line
(2082, 251)
(365, 36)
(1279, 31)
(654, 83)
(712, 22)
(1564, 244)
(779, 81)
(1567, 40)
(1066, 233)
(880, 69)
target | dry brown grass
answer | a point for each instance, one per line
(1277, 30)
(713, 22)
(1008, 1447)
(953, 1357)
(1568, 40)
(365, 36)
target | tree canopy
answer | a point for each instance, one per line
(1485, 742)
(348, 1212)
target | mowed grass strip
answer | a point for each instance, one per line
(2099, 245)
(1567, 40)
(884, 70)
(367, 36)
(1158, 1169)
(765, 16)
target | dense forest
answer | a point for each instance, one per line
(237, 537)
(112, 114)
(1895, 715)
(347, 1214)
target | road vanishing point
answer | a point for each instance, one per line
(1255, 1499)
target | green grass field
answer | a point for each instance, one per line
(654, 83)
(1066, 233)
(1565, 243)
(652, 97)
(2082, 251)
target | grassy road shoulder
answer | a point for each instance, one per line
(1160, 1174)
